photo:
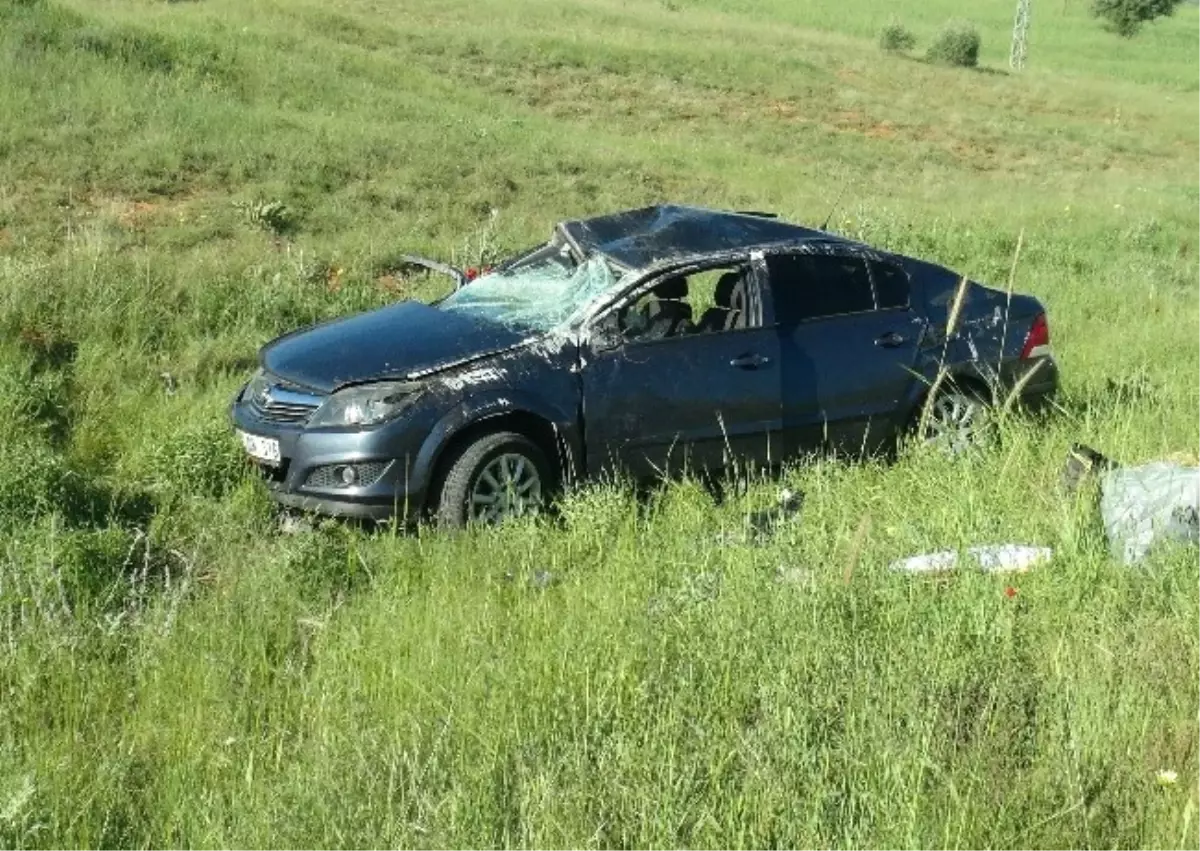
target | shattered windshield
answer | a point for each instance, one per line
(536, 296)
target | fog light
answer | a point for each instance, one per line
(349, 476)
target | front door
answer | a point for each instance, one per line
(683, 376)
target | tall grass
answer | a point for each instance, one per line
(176, 671)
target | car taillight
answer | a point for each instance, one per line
(1037, 342)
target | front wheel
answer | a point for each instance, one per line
(494, 478)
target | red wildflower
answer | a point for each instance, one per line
(1010, 592)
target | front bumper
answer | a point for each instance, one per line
(353, 507)
(306, 476)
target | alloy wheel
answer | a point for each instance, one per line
(509, 486)
(956, 422)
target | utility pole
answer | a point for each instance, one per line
(1020, 36)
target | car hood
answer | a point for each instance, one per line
(393, 341)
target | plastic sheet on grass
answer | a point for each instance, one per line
(1141, 506)
(992, 558)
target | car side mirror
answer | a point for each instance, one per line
(605, 340)
(606, 334)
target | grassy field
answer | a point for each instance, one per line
(176, 672)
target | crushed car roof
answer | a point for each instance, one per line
(639, 238)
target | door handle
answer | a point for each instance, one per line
(751, 361)
(890, 340)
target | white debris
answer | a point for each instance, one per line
(790, 575)
(1166, 777)
(992, 558)
(1142, 505)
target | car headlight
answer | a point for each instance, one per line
(366, 405)
(255, 387)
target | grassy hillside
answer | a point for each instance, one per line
(173, 671)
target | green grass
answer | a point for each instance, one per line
(173, 671)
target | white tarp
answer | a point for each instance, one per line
(1143, 505)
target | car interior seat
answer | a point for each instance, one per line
(668, 315)
(729, 305)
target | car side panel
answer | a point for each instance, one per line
(841, 388)
(539, 381)
(985, 345)
(698, 401)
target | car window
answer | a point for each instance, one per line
(709, 301)
(891, 285)
(536, 297)
(809, 286)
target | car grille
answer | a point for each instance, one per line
(331, 476)
(279, 404)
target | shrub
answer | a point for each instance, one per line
(33, 479)
(273, 216)
(895, 37)
(1125, 17)
(957, 44)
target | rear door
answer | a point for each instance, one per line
(699, 398)
(848, 340)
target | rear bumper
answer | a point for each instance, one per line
(1038, 382)
(1038, 399)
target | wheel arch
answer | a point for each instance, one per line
(543, 432)
(961, 380)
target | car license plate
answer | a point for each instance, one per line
(264, 449)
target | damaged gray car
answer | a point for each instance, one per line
(646, 341)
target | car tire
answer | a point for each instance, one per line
(959, 419)
(506, 467)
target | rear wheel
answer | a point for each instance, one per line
(494, 478)
(957, 420)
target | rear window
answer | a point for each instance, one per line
(810, 286)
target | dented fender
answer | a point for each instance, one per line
(491, 403)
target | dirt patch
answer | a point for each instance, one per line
(854, 121)
(882, 130)
(141, 214)
(784, 110)
(974, 153)
(848, 118)
(980, 156)
(138, 214)
(581, 94)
